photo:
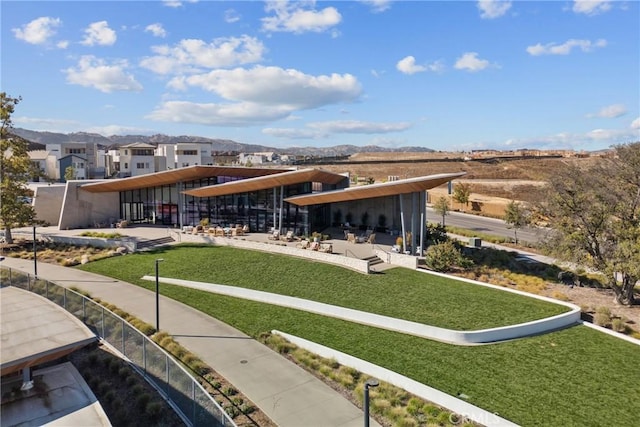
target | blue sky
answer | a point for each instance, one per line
(448, 75)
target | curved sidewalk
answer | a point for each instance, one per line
(289, 395)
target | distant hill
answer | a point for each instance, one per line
(217, 144)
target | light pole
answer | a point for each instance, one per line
(158, 261)
(35, 254)
(370, 383)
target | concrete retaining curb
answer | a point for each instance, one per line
(460, 407)
(450, 336)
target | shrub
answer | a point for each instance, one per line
(232, 411)
(247, 409)
(142, 400)
(444, 256)
(109, 396)
(229, 391)
(602, 319)
(153, 410)
(618, 325)
(146, 329)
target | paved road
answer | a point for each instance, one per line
(481, 224)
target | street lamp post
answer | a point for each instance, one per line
(370, 383)
(35, 254)
(158, 261)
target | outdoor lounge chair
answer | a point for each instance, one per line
(372, 238)
(351, 238)
(289, 237)
(275, 235)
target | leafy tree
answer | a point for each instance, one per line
(69, 173)
(516, 216)
(15, 170)
(462, 193)
(595, 212)
(441, 206)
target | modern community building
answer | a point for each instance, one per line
(264, 199)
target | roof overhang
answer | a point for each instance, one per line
(173, 176)
(35, 330)
(265, 182)
(405, 186)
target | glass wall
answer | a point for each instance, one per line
(165, 204)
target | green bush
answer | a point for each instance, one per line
(444, 257)
(142, 400)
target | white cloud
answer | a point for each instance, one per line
(36, 123)
(469, 61)
(407, 65)
(256, 96)
(176, 3)
(238, 114)
(38, 31)
(110, 130)
(635, 124)
(156, 29)
(231, 16)
(99, 33)
(278, 86)
(191, 54)
(360, 127)
(591, 7)
(377, 6)
(578, 141)
(490, 9)
(299, 17)
(610, 111)
(96, 73)
(63, 44)
(566, 47)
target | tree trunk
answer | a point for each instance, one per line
(7, 235)
(624, 293)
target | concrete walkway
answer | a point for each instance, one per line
(289, 395)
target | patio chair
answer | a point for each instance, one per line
(219, 232)
(275, 235)
(351, 238)
(372, 238)
(289, 237)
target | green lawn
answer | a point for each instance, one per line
(573, 377)
(399, 292)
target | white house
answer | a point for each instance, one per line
(135, 159)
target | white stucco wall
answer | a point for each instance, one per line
(47, 203)
(82, 209)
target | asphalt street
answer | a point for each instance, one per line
(496, 227)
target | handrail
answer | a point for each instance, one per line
(164, 386)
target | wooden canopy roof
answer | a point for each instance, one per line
(265, 182)
(176, 175)
(393, 188)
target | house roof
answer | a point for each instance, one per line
(392, 188)
(175, 175)
(265, 182)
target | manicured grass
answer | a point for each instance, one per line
(573, 377)
(398, 292)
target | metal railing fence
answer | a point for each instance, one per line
(187, 396)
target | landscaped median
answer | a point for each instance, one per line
(575, 376)
(392, 324)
